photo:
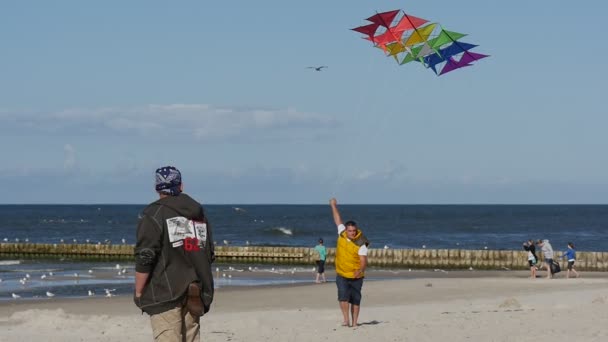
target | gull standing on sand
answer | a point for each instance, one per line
(50, 294)
(16, 296)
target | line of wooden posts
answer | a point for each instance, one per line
(399, 258)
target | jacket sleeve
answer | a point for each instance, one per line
(149, 243)
(209, 236)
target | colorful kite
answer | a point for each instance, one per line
(406, 39)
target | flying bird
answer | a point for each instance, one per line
(317, 68)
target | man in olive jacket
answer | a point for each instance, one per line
(174, 250)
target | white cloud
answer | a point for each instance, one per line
(69, 161)
(190, 121)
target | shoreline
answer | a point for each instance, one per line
(306, 280)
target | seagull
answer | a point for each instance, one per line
(91, 293)
(317, 68)
(50, 294)
(16, 296)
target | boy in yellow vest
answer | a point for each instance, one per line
(351, 260)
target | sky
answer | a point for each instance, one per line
(94, 96)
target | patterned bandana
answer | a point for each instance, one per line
(168, 180)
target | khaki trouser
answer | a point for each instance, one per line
(175, 325)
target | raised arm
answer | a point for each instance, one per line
(334, 210)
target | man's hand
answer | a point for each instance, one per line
(333, 202)
(358, 273)
(137, 295)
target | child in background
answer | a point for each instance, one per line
(530, 248)
(570, 254)
(321, 261)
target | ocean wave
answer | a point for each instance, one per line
(283, 230)
(9, 262)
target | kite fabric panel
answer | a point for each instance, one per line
(407, 38)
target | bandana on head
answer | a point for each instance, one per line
(168, 180)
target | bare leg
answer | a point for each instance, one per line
(533, 272)
(323, 276)
(344, 308)
(575, 273)
(317, 280)
(355, 312)
(548, 271)
(568, 274)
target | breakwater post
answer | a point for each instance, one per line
(398, 258)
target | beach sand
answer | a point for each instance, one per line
(492, 306)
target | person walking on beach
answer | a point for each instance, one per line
(173, 257)
(321, 261)
(532, 248)
(351, 261)
(548, 254)
(570, 255)
(529, 247)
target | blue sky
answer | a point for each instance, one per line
(96, 95)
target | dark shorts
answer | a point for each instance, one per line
(320, 266)
(570, 265)
(531, 263)
(549, 261)
(349, 290)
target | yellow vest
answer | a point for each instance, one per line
(347, 255)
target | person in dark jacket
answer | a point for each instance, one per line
(173, 257)
(532, 260)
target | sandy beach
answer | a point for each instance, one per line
(491, 306)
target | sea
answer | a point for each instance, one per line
(497, 227)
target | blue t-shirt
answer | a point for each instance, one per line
(322, 252)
